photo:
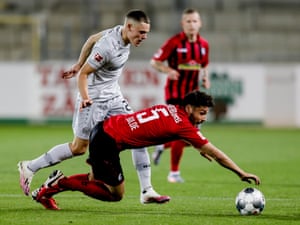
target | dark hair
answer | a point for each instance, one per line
(138, 15)
(189, 11)
(197, 98)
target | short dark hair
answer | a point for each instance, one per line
(138, 15)
(189, 11)
(197, 98)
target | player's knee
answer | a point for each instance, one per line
(78, 149)
(117, 197)
(117, 193)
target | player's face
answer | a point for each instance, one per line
(138, 32)
(197, 115)
(191, 24)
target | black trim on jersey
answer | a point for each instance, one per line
(183, 56)
(193, 56)
(189, 76)
(183, 45)
(172, 62)
(200, 49)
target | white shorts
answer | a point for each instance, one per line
(87, 118)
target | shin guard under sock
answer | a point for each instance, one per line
(94, 189)
(176, 154)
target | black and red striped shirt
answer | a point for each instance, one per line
(155, 125)
(187, 58)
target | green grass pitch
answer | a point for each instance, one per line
(206, 197)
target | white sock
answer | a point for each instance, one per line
(55, 155)
(174, 173)
(159, 147)
(141, 161)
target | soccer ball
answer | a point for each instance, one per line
(250, 201)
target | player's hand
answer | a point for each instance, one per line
(68, 74)
(205, 82)
(71, 72)
(251, 177)
(85, 103)
(173, 75)
(203, 73)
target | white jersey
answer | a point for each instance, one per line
(108, 57)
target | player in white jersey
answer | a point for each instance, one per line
(100, 63)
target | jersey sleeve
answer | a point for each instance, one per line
(99, 55)
(165, 50)
(205, 52)
(192, 135)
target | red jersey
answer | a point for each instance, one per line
(185, 57)
(156, 125)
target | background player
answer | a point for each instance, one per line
(186, 54)
(155, 125)
(100, 97)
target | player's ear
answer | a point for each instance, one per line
(129, 24)
(189, 108)
(200, 24)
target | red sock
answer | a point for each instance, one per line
(176, 154)
(57, 188)
(94, 189)
(80, 177)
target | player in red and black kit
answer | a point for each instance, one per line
(156, 125)
(186, 54)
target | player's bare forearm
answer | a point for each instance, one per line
(71, 72)
(86, 48)
(82, 83)
(222, 159)
(160, 66)
(205, 78)
(83, 90)
(229, 164)
(206, 83)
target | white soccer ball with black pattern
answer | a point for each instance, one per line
(250, 201)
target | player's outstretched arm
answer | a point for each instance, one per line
(84, 53)
(162, 67)
(209, 150)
